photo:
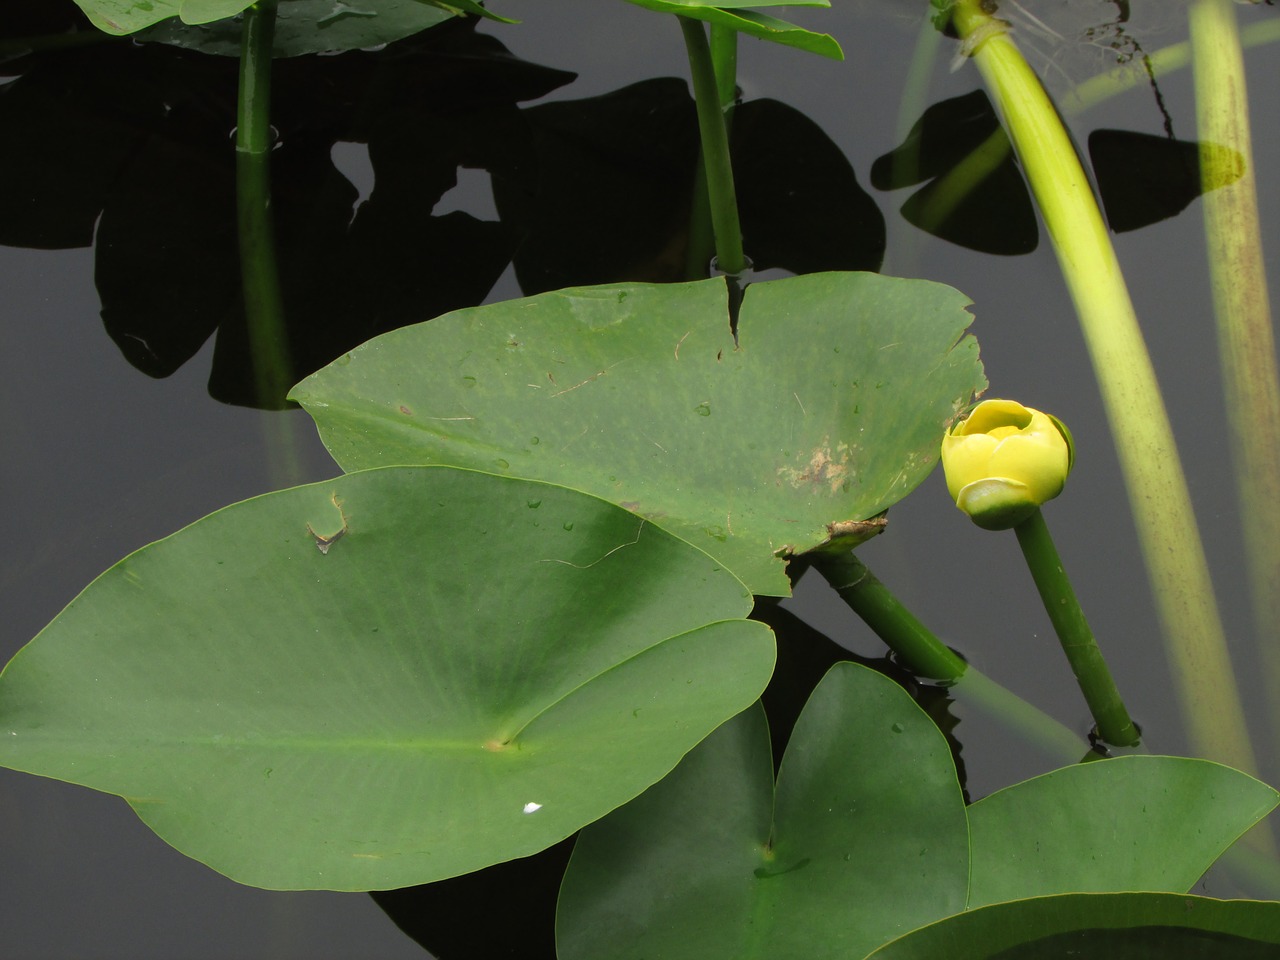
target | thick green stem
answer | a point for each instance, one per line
(264, 309)
(702, 244)
(920, 651)
(1242, 306)
(924, 654)
(715, 148)
(1157, 487)
(724, 60)
(1100, 692)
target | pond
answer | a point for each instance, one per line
(127, 418)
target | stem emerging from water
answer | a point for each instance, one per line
(1242, 307)
(714, 135)
(1157, 487)
(1096, 683)
(264, 309)
(924, 654)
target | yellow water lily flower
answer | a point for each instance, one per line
(1004, 461)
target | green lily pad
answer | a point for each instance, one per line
(868, 840)
(388, 678)
(864, 840)
(308, 26)
(1105, 827)
(119, 17)
(828, 410)
(735, 16)
(1115, 926)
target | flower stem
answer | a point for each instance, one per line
(264, 307)
(925, 655)
(715, 148)
(1096, 683)
(1157, 487)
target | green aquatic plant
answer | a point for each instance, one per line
(1157, 487)
(522, 610)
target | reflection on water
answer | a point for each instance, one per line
(99, 459)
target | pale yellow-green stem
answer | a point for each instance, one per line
(1158, 494)
(1246, 345)
(1161, 63)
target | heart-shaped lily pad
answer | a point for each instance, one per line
(828, 408)
(864, 840)
(308, 26)
(1115, 926)
(396, 17)
(388, 678)
(1103, 827)
(868, 839)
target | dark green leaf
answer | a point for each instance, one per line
(1106, 827)
(1115, 926)
(309, 26)
(866, 839)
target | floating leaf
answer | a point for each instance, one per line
(119, 17)
(388, 678)
(310, 18)
(828, 409)
(864, 840)
(205, 11)
(868, 839)
(309, 26)
(1115, 926)
(1105, 826)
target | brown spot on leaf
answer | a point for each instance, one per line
(827, 467)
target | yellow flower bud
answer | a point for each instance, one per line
(1004, 461)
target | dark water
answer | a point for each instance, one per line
(100, 460)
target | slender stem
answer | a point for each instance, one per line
(1158, 495)
(1161, 63)
(724, 60)
(1096, 683)
(701, 245)
(920, 650)
(253, 111)
(715, 148)
(264, 307)
(1242, 307)
(925, 655)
